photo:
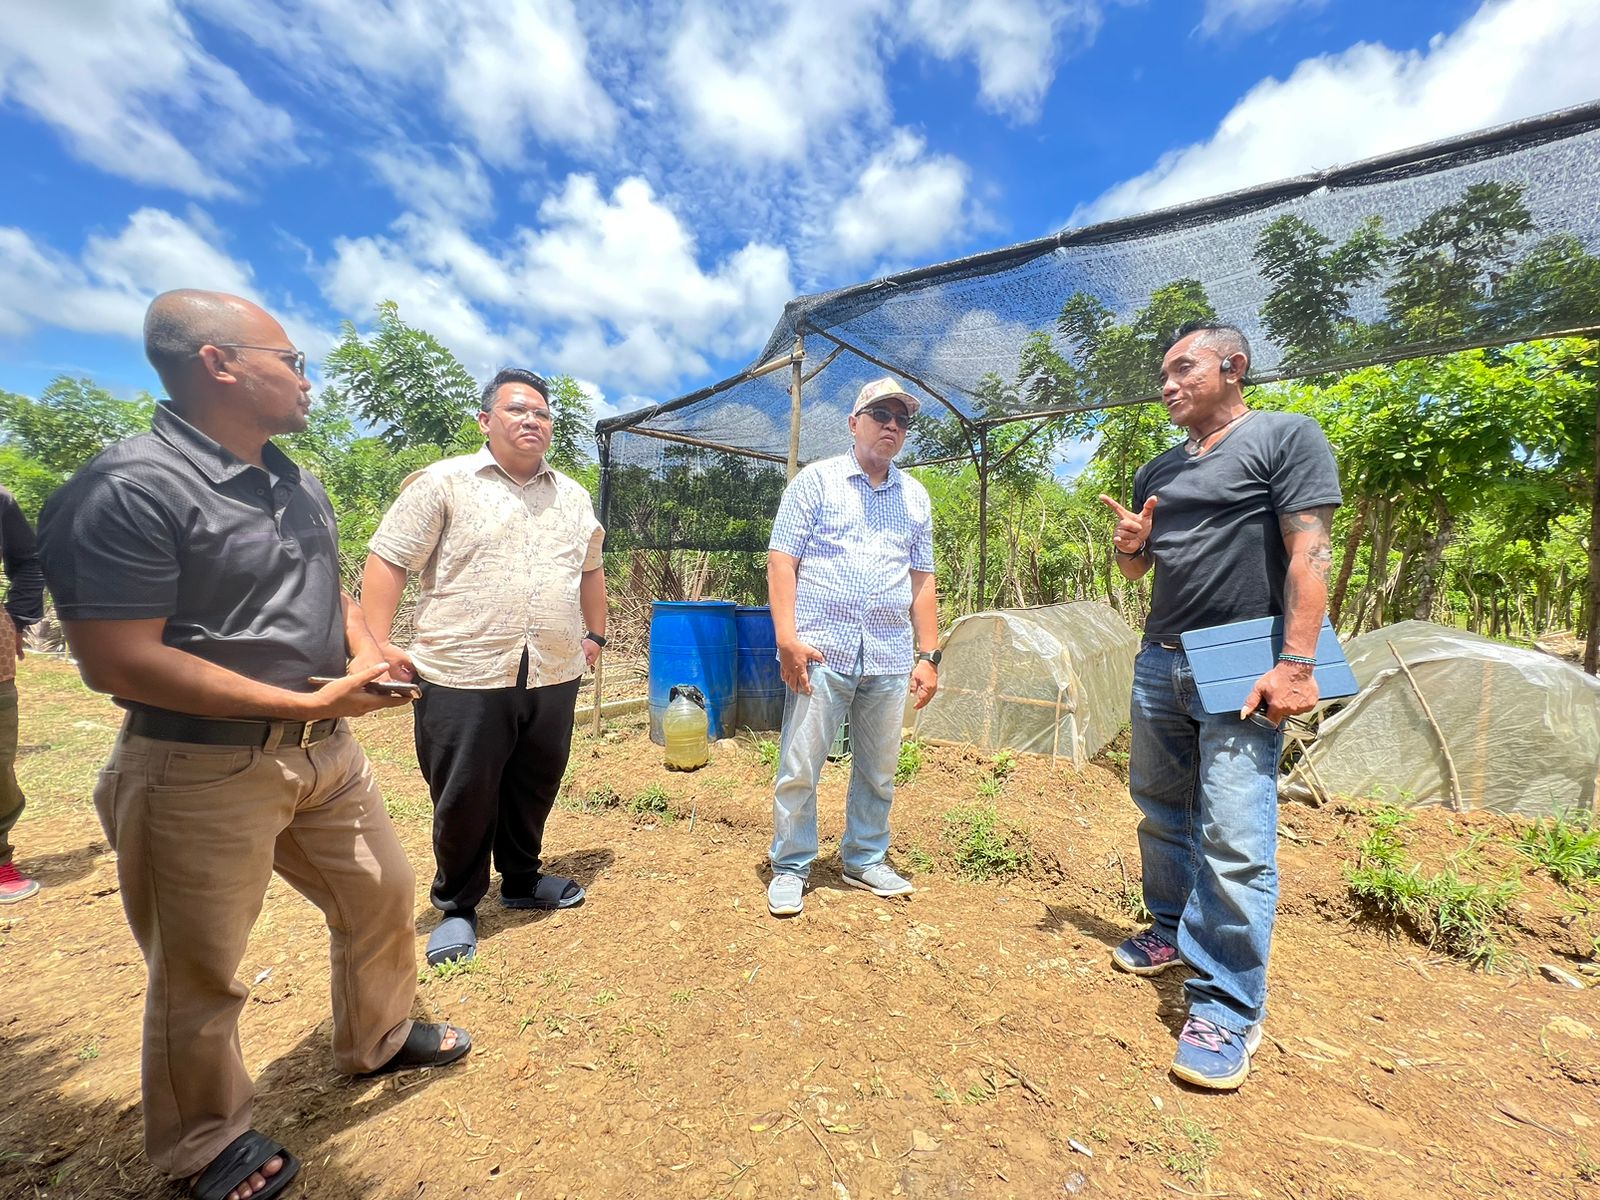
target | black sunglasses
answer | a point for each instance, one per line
(297, 357)
(885, 415)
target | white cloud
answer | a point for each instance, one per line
(107, 289)
(1510, 59)
(1246, 16)
(504, 73)
(905, 203)
(452, 182)
(761, 82)
(614, 282)
(1013, 42)
(367, 270)
(119, 80)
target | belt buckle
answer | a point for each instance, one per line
(301, 739)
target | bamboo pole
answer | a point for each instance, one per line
(599, 680)
(983, 520)
(1591, 648)
(796, 381)
(1457, 801)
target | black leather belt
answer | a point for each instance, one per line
(1165, 645)
(176, 727)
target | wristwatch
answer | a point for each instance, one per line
(931, 656)
(599, 639)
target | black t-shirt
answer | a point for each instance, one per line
(170, 524)
(1218, 550)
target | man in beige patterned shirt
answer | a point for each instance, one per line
(512, 611)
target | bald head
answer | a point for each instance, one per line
(179, 322)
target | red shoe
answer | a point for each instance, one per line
(14, 885)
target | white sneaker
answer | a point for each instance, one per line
(786, 894)
(881, 880)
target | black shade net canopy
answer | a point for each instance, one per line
(1480, 240)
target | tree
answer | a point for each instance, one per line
(70, 422)
(1308, 310)
(404, 382)
(1448, 267)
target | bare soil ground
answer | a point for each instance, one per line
(669, 1038)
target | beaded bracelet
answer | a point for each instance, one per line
(1297, 658)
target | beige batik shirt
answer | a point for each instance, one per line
(500, 564)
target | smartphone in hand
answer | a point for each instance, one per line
(382, 687)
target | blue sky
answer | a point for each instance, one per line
(628, 192)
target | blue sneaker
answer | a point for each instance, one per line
(1146, 953)
(1210, 1056)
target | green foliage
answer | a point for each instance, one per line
(70, 422)
(984, 844)
(1187, 1148)
(909, 762)
(1308, 310)
(1445, 268)
(1449, 913)
(405, 383)
(601, 796)
(653, 801)
(43, 441)
(767, 751)
(918, 859)
(1569, 851)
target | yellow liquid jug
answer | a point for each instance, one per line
(683, 730)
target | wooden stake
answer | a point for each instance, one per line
(795, 382)
(1457, 801)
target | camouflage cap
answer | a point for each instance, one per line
(887, 388)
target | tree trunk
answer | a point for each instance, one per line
(1352, 547)
(1432, 563)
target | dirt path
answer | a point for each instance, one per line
(669, 1038)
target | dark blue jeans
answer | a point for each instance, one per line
(1208, 788)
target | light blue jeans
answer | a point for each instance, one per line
(1208, 788)
(876, 704)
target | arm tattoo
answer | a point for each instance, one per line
(1313, 530)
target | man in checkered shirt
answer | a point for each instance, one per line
(850, 581)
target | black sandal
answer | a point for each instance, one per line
(422, 1049)
(239, 1160)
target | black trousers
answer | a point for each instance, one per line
(493, 759)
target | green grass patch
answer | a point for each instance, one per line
(984, 844)
(453, 969)
(1569, 850)
(910, 762)
(653, 801)
(1187, 1150)
(1447, 912)
(767, 751)
(918, 859)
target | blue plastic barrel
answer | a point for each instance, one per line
(761, 686)
(694, 642)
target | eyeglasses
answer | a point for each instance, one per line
(885, 415)
(517, 412)
(297, 358)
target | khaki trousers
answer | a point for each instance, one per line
(198, 832)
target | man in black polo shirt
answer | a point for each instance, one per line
(196, 572)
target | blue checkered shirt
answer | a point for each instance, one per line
(857, 545)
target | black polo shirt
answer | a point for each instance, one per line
(170, 524)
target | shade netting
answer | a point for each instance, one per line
(1480, 240)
